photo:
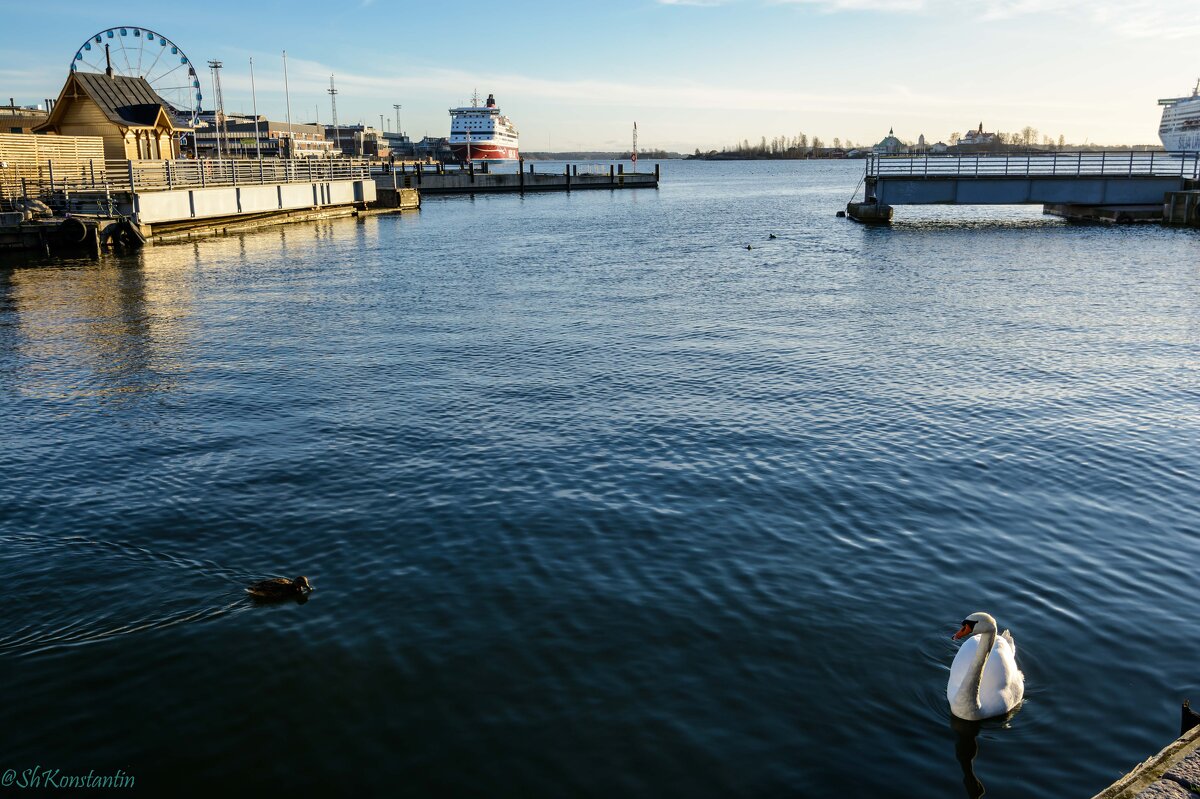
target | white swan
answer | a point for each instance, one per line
(984, 678)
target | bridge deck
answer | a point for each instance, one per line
(1133, 178)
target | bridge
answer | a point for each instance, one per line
(1127, 180)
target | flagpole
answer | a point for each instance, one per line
(288, 99)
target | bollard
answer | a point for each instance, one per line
(656, 166)
(521, 172)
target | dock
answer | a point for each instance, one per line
(164, 200)
(431, 179)
(1082, 186)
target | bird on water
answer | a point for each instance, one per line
(772, 236)
(984, 679)
(280, 588)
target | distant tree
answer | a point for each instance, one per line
(1062, 141)
(837, 142)
(817, 143)
(954, 137)
(1028, 135)
(803, 141)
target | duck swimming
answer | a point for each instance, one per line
(280, 588)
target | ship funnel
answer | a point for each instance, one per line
(491, 101)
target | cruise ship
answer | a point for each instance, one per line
(1180, 127)
(482, 134)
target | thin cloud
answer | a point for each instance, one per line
(1164, 19)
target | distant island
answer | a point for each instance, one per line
(977, 141)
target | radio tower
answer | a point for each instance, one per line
(634, 158)
(222, 129)
(337, 134)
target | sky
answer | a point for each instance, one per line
(692, 73)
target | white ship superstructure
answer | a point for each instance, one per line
(482, 133)
(1180, 127)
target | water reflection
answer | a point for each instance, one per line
(966, 747)
(110, 331)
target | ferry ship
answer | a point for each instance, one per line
(1180, 127)
(482, 134)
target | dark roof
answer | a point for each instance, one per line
(125, 101)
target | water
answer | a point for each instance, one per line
(597, 502)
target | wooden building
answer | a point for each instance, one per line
(133, 121)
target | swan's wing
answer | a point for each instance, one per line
(961, 665)
(1003, 685)
(1007, 636)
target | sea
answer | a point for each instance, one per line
(645, 493)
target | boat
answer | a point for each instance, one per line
(482, 134)
(1180, 127)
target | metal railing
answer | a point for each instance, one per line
(144, 176)
(1074, 164)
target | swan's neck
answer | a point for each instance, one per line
(968, 691)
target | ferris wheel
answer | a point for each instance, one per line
(141, 52)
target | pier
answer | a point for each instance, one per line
(162, 200)
(470, 179)
(1101, 186)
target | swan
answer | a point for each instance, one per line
(984, 678)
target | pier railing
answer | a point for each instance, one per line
(1074, 164)
(56, 179)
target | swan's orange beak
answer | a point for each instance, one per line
(963, 632)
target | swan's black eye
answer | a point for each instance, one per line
(969, 624)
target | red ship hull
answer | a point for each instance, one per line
(484, 152)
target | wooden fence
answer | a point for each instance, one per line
(31, 162)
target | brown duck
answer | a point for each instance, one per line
(280, 588)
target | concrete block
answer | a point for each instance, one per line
(1187, 771)
(1165, 789)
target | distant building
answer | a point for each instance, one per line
(977, 138)
(21, 118)
(241, 137)
(939, 148)
(357, 141)
(134, 122)
(890, 145)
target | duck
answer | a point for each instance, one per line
(280, 588)
(772, 236)
(984, 679)
(748, 247)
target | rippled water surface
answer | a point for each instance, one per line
(598, 502)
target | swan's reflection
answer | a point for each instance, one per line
(966, 747)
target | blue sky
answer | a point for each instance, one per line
(692, 73)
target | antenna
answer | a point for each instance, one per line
(397, 106)
(337, 133)
(108, 70)
(219, 111)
